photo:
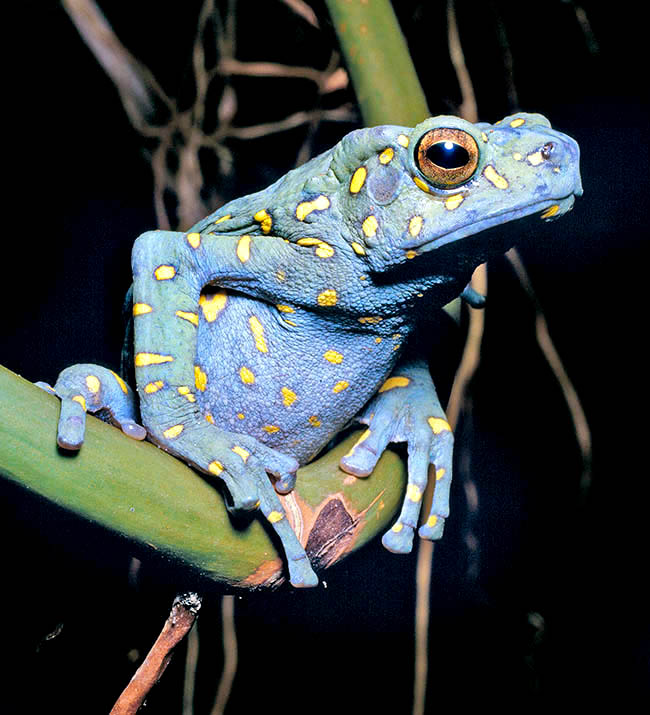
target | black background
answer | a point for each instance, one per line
(79, 192)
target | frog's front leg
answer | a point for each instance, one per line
(407, 409)
(169, 271)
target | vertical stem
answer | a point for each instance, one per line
(229, 655)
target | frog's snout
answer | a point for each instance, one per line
(564, 152)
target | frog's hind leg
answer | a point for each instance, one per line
(91, 388)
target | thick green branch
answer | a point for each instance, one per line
(139, 491)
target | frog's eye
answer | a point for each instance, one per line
(447, 157)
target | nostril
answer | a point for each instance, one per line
(547, 150)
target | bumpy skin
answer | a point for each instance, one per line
(276, 321)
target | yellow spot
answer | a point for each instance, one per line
(413, 493)
(240, 415)
(327, 297)
(420, 184)
(517, 156)
(215, 468)
(246, 376)
(141, 308)
(415, 225)
(432, 521)
(164, 273)
(244, 454)
(411, 254)
(324, 250)
(120, 382)
(550, 211)
(438, 425)
(358, 179)
(484, 136)
(358, 248)
(93, 383)
(403, 140)
(212, 304)
(200, 379)
(440, 473)
(275, 516)
(144, 359)
(370, 319)
(393, 382)
(397, 528)
(194, 239)
(386, 156)
(340, 386)
(517, 122)
(453, 202)
(492, 175)
(314, 421)
(370, 226)
(244, 248)
(264, 219)
(223, 218)
(378, 340)
(209, 418)
(80, 400)
(285, 308)
(152, 387)
(320, 203)
(535, 159)
(288, 396)
(333, 356)
(258, 334)
(281, 276)
(271, 428)
(185, 391)
(190, 317)
(172, 432)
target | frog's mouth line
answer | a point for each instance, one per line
(565, 204)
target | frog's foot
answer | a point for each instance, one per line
(243, 464)
(249, 486)
(399, 416)
(92, 388)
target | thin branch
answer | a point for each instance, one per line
(191, 662)
(545, 342)
(179, 622)
(466, 369)
(137, 87)
(230, 657)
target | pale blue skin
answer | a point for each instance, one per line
(295, 339)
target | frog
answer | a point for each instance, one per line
(288, 315)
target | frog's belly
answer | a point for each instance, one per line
(291, 380)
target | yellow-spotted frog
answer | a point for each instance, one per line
(286, 315)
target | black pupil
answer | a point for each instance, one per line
(448, 155)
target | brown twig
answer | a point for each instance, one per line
(179, 622)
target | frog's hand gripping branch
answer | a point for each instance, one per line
(407, 409)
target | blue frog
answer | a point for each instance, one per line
(286, 315)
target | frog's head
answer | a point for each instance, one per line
(408, 192)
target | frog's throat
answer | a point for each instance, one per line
(564, 205)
